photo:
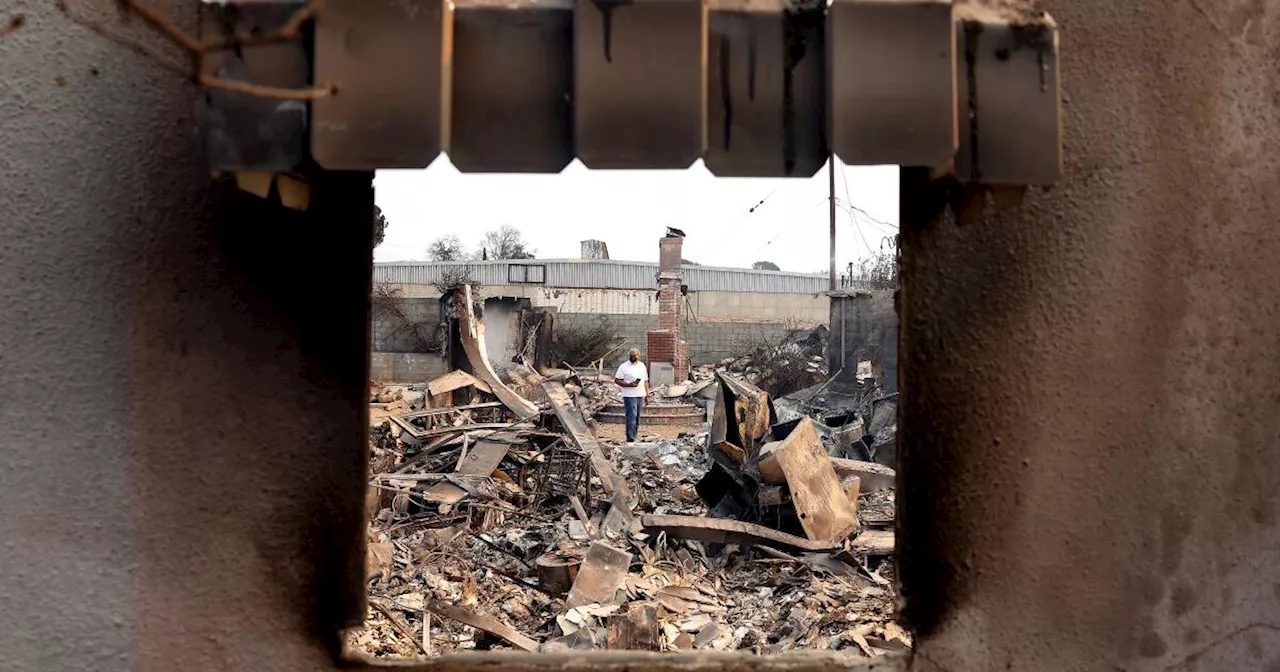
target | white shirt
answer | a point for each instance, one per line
(630, 372)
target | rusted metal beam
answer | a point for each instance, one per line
(724, 530)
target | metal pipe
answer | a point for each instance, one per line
(831, 198)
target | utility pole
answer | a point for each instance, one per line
(831, 188)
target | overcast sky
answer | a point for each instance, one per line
(630, 210)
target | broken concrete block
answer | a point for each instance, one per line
(661, 373)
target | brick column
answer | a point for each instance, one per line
(666, 343)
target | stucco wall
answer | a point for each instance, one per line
(181, 369)
(1090, 383)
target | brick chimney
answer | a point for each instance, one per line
(670, 254)
(666, 344)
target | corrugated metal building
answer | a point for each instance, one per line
(601, 274)
(724, 309)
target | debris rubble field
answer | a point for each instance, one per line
(505, 514)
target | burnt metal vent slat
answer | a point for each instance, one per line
(752, 87)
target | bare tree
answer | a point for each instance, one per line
(880, 270)
(782, 361)
(765, 266)
(580, 340)
(453, 277)
(446, 248)
(390, 305)
(505, 242)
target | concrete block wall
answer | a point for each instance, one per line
(406, 367)
(388, 336)
(711, 342)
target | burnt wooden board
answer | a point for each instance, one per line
(874, 542)
(570, 417)
(874, 477)
(455, 380)
(821, 503)
(724, 530)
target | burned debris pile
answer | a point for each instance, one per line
(493, 526)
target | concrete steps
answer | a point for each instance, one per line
(655, 414)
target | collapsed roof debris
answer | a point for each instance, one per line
(492, 526)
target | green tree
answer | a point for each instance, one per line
(379, 226)
(765, 266)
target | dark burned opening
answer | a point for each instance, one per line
(753, 514)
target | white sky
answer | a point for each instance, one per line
(630, 210)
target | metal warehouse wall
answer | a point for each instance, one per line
(611, 274)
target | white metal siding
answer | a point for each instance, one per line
(606, 274)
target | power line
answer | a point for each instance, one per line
(844, 177)
(864, 213)
(719, 238)
(786, 228)
(849, 202)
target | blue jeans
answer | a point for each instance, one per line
(632, 405)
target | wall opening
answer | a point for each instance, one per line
(515, 505)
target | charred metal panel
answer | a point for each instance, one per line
(385, 58)
(512, 87)
(893, 82)
(1007, 69)
(765, 90)
(244, 132)
(639, 82)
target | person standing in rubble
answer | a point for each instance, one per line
(633, 378)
